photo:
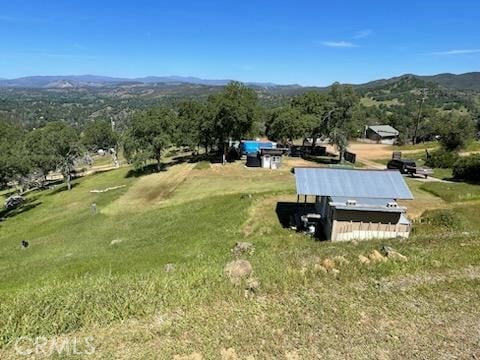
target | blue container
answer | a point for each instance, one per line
(252, 146)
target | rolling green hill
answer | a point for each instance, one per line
(104, 275)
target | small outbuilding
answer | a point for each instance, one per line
(271, 158)
(354, 204)
(383, 134)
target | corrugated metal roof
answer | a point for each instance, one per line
(384, 130)
(375, 184)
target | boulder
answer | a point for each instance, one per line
(243, 247)
(328, 264)
(363, 259)
(238, 270)
(375, 256)
(14, 201)
(390, 253)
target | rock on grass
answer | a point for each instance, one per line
(393, 254)
(243, 247)
(237, 271)
(363, 259)
(375, 256)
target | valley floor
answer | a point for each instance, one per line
(144, 277)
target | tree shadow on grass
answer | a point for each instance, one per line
(145, 170)
(182, 159)
(25, 207)
(63, 187)
(460, 181)
(326, 159)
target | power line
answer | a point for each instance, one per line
(422, 101)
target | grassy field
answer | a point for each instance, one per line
(419, 146)
(473, 146)
(103, 274)
(453, 192)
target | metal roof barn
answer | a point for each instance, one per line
(384, 130)
(375, 184)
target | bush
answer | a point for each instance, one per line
(456, 130)
(467, 168)
(441, 221)
(442, 159)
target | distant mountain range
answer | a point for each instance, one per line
(70, 81)
(467, 81)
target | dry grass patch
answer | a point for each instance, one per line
(260, 220)
(422, 201)
(150, 190)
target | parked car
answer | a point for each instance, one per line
(406, 166)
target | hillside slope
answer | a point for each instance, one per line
(104, 276)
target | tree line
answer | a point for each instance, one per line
(234, 113)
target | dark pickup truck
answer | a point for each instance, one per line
(406, 166)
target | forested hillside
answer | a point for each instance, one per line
(400, 101)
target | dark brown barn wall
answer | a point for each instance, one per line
(367, 216)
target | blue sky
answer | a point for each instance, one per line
(304, 42)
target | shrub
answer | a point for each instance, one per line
(456, 130)
(467, 168)
(442, 159)
(441, 220)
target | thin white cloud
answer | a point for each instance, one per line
(456, 52)
(363, 34)
(339, 44)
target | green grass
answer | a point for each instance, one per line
(367, 101)
(443, 173)
(453, 192)
(419, 146)
(202, 165)
(103, 275)
(473, 146)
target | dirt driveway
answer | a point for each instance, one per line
(370, 151)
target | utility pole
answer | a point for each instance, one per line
(422, 101)
(113, 151)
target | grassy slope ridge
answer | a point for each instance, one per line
(104, 274)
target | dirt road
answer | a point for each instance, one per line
(368, 153)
